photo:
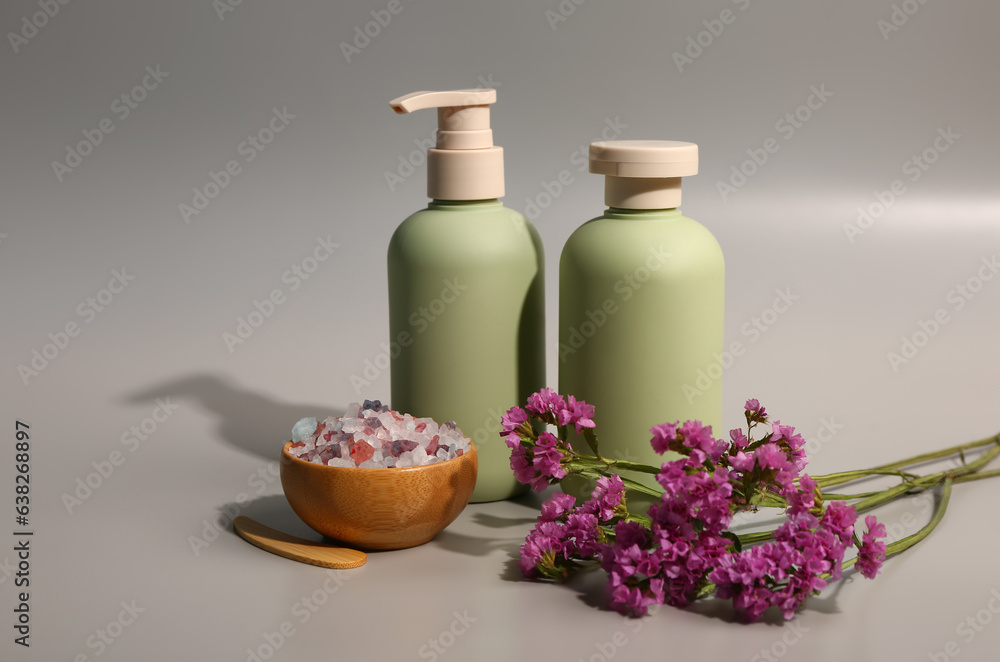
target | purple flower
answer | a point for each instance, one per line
(579, 413)
(769, 456)
(629, 534)
(519, 462)
(606, 497)
(743, 461)
(690, 438)
(537, 464)
(664, 435)
(839, 519)
(513, 419)
(558, 505)
(755, 413)
(871, 553)
(794, 442)
(582, 532)
(699, 437)
(738, 438)
(545, 401)
(803, 498)
(541, 549)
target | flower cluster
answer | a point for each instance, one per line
(537, 460)
(682, 547)
(566, 534)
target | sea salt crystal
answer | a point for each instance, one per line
(370, 435)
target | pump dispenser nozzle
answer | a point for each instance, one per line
(465, 164)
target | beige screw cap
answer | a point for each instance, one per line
(643, 174)
(465, 164)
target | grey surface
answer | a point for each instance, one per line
(323, 175)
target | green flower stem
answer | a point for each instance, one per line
(829, 480)
(935, 455)
(751, 538)
(598, 469)
(705, 591)
(966, 473)
(632, 466)
(640, 518)
(847, 497)
(639, 487)
(911, 540)
(840, 478)
(583, 462)
(930, 480)
(979, 475)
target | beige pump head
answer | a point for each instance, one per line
(465, 165)
(643, 174)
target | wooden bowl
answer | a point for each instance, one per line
(389, 508)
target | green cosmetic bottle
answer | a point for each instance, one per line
(641, 294)
(466, 290)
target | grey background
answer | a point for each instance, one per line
(822, 364)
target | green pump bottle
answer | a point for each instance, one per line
(466, 290)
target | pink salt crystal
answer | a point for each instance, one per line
(401, 446)
(433, 445)
(362, 451)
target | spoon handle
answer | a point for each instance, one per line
(297, 549)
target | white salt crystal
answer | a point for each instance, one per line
(385, 427)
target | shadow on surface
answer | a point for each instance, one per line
(247, 420)
(482, 545)
(273, 511)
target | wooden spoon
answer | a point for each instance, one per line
(297, 549)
